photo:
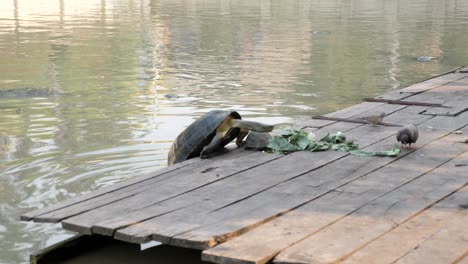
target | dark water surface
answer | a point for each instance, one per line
(93, 92)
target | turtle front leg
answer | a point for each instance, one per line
(210, 150)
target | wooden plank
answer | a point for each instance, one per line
(128, 191)
(347, 112)
(160, 192)
(217, 195)
(446, 246)
(197, 217)
(394, 95)
(457, 92)
(453, 96)
(312, 123)
(337, 241)
(260, 244)
(433, 83)
(354, 110)
(457, 106)
(85, 197)
(400, 102)
(412, 233)
(364, 109)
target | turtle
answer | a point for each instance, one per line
(257, 140)
(210, 133)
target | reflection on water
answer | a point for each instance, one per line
(93, 92)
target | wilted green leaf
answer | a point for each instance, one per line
(289, 140)
(287, 132)
(345, 147)
(300, 139)
(388, 153)
(334, 138)
(281, 145)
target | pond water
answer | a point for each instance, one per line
(93, 92)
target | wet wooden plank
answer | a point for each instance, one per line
(411, 234)
(149, 183)
(446, 246)
(404, 199)
(261, 243)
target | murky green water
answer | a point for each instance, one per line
(93, 92)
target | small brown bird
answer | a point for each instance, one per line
(407, 135)
(374, 119)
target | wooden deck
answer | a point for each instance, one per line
(322, 207)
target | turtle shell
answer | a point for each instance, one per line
(196, 136)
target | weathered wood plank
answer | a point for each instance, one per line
(218, 194)
(433, 83)
(457, 92)
(197, 217)
(312, 123)
(151, 195)
(355, 110)
(85, 197)
(336, 241)
(348, 112)
(260, 244)
(423, 85)
(411, 234)
(401, 102)
(127, 191)
(446, 246)
(452, 96)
